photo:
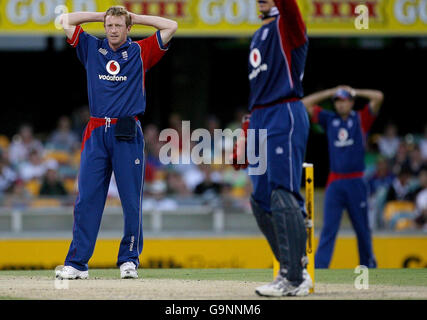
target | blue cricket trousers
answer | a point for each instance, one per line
(101, 154)
(349, 194)
(287, 127)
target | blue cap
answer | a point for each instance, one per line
(343, 94)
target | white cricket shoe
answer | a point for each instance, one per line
(269, 289)
(128, 271)
(69, 272)
(307, 279)
(282, 287)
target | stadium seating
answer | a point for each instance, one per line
(46, 203)
(399, 214)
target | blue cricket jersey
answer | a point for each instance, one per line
(116, 79)
(277, 57)
(346, 140)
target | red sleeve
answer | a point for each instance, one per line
(316, 112)
(152, 50)
(74, 41)
(291, 25)
(367, 118)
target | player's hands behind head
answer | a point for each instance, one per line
(346, 88)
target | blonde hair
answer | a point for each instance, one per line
(119, 11)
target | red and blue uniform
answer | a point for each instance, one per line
(346, 188)
(277, 59)
(116, 88)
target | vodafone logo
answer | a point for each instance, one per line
(113, 67)
(255, 58)
(343, 139)
(342, 134)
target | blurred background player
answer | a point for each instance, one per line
(113, 139)
(276, 66)
(346, 131)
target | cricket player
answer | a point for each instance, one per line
(276, 68)
(346, 131)
(113, 139)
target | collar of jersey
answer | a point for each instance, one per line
(125, 45)
(273, 21)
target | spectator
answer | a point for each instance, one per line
(213, 123)
(20, 196)
(389, 142)
(80, 119)
(400, 189)
(422, 183)
(401, 159)
(22, 144)
(150, 171)
(152, 146)
(209, 187)
(52, 185)
(190, 173)
(382, 178)
(420, 220)
(158, 199)
(7, 175)
(151, 138)
(175, 123)
(238, 180)
(63, 138)
(415, 160)
(175, 184)
(35, 167)
(423, 144)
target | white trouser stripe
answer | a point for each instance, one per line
(140, 193)
(290, 148)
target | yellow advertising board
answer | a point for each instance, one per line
(227, 17)
(230, 252)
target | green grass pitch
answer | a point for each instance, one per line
(398, 277)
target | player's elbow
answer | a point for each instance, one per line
(60, 20)
(380, 96)
(174, 26)
(377, 101)
(64, 21)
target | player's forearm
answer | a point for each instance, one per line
(287, 5)
(69, 21)
(167, 27)
(369, 94)
(375, 97)
(313, 99)
(153, 21)
(292, 21)
(75, 18)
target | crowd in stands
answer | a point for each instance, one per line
(36, 170)
(209, 182)
(397, 179)
(33, 170)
